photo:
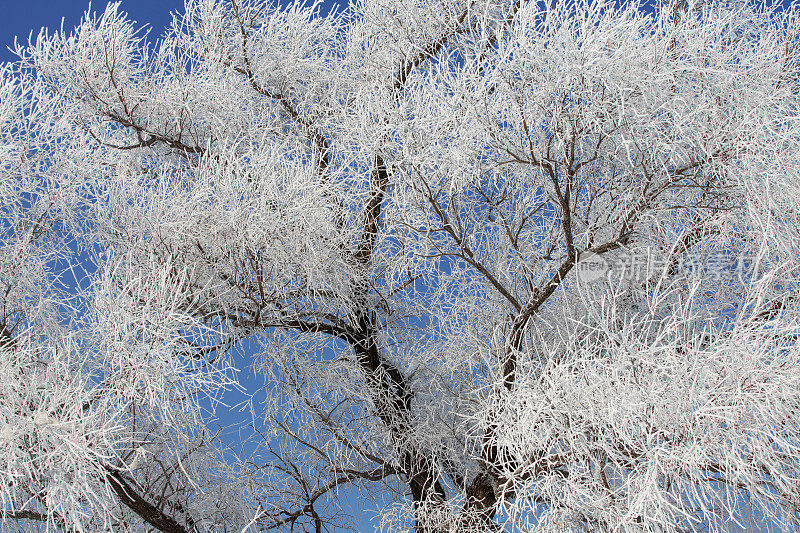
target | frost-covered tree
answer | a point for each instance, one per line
(281, 256)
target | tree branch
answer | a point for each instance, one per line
(145, 510)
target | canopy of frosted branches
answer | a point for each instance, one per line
(473, 265)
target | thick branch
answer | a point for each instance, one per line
(144, 509)
(539, 297)
(175, 144)
(34, 515)
(427, 52)
(379, 179)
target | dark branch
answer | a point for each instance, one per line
(148, 512)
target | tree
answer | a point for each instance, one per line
(387, 217)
